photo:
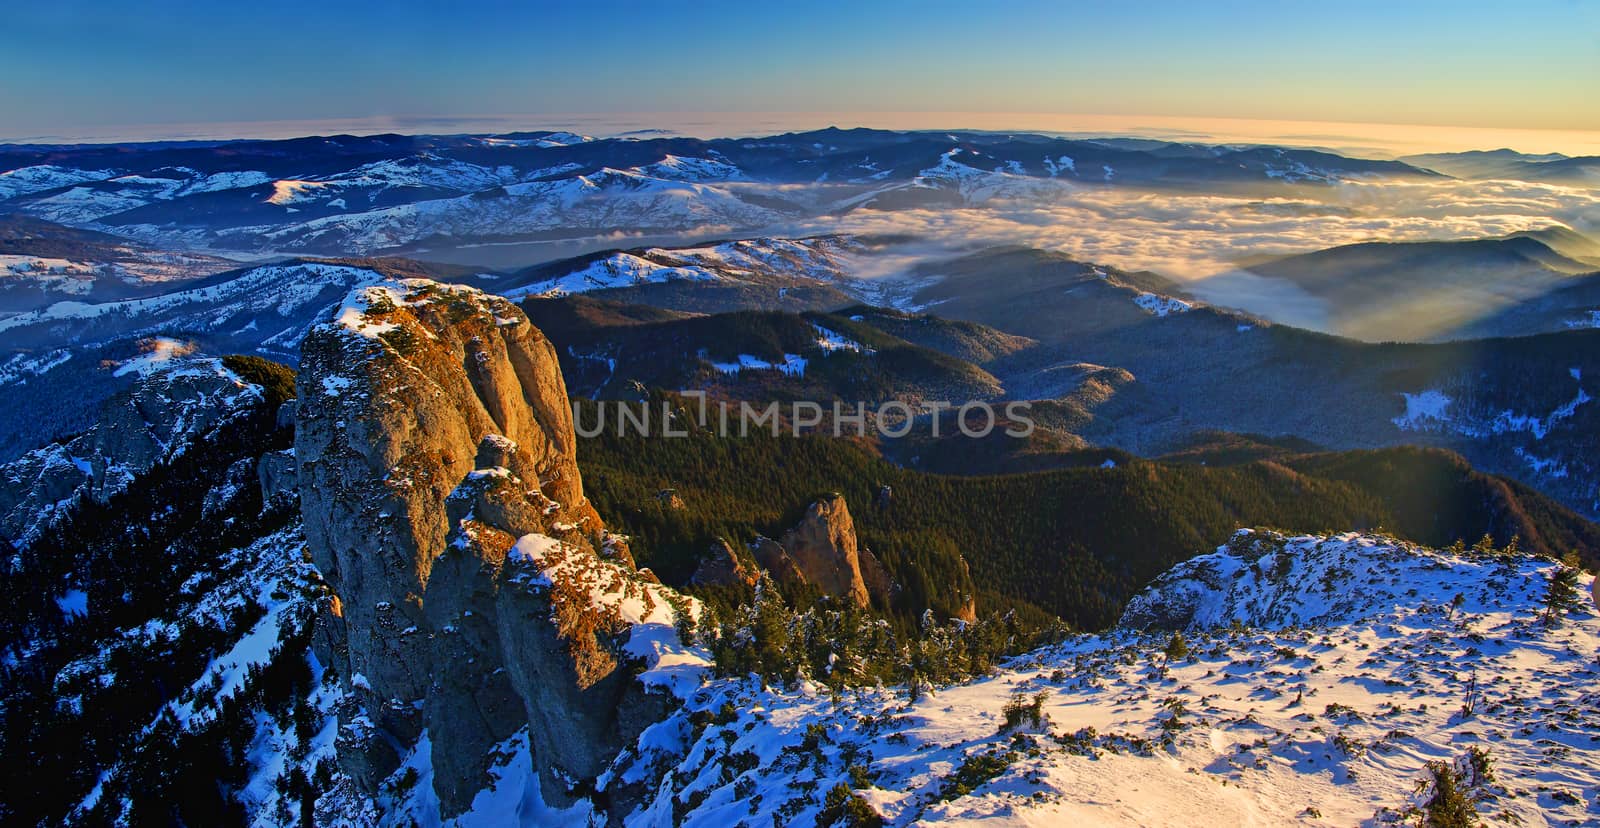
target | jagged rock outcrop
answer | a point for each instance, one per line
(968, 611)
(476, 592)
(822, 550)
(171, 406)
(721, 566)
(823, 546)
(771, 556)
(277, 473)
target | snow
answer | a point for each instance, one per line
(281, 289)
(21, 366)
(1421, 407)
(1161, 305)
(74, 603)
(99, 194)
(1590, 321)
(554, 139)
(793, 365)
(1059, 165)
(602, 201)
(748, 261)
(830, 341)
(25, 180)
(978, 185)
(1347, 671)
(354, 313)
(645, 608)
(290, 191)
(615, 271)
(677, 168)
(1509, 421)
(157, 354)
(513, 798)
(1426, 411)
(61, 275)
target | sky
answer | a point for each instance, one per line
(75, 70)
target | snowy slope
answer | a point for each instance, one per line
(1551, 445)
(277, 300)
(600, 202)
(1347, 671)
(747, 261)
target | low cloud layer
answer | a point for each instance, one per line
(1191, 236)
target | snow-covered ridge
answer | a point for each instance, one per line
(749, 261)
(280, 290)
(676, 168)
(615, 271)
(1267, 580)
(176, 400)
(604, 201)
(976, 185)
(34, 179)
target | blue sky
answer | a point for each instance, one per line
(71, 64)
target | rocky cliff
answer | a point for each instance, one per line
(822, 550)
(475, 590)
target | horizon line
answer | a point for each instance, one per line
(1381, 139)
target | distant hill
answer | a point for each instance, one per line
(397, 194)
(1146, 377)
(42, 262)
(1412, 291)
(609, 350)
(1553, 168)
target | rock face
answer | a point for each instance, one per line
(443, 504)
(721, 566)
(821, 550)
(823, 545)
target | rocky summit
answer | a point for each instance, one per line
(474, 591)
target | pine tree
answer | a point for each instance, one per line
(1561, 596)
(1177, 649)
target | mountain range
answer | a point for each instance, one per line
(347, 195)
(301, 530)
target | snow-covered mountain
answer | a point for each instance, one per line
(175, 401)
(63, 360)
(765, 262)
(42, 262)
(592, 204)
(345, 195)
